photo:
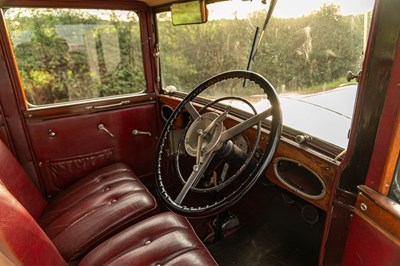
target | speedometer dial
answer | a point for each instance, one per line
(242, 142)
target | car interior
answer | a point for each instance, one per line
(162, 132)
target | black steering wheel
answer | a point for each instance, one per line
(208, 142)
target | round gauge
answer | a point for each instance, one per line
(241, 142)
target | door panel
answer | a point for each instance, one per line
(374, 234)
(67, 148)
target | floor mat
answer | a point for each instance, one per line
(280, 237)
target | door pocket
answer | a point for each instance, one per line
(65, 171)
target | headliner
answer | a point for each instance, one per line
(154, 3)
(151, 3)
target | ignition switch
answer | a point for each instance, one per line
(303, 138)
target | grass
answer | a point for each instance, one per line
(323, 87)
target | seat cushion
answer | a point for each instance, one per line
(163, 239)
(94, 208)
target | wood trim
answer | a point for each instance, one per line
(121, 4)
(82, 107)
(384, 212)
(378, 217)
(13, 71)
(147, 49)
(323, 168)
(382, 201)
(391, 159)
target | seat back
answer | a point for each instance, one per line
(22, 241)
(13, 177)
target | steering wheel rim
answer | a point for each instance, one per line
(264, 161)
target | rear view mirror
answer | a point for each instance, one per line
(193, 12)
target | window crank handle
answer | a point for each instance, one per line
(102, 127)
(136, 132)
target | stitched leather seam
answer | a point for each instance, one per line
(77, 190)
(114, 172)
(97, 191)
(139, 245)
(105, 204)
(120, 223)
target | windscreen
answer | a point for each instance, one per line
(306, 52)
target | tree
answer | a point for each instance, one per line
(66, 55)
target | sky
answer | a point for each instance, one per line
(285, 8)
(296, 8)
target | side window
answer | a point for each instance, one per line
(394, 193)
(66, 55)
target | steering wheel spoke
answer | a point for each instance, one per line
(239, 128)
(195, 176)
(192, 111)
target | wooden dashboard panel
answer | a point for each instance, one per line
(321, 165)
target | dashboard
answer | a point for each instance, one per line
(296, 167)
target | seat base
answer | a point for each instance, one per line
(163, 239)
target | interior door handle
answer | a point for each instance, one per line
(102, 127)
(136, 132)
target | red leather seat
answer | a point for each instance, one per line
(164, 239)
(95, 208)
(86, 213)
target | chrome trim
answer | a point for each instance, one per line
(107, 105)
(102, 127)
(323, 191)
(136, 132)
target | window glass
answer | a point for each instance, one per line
(305, 52)
(66, 54)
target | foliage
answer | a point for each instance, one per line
(65, 55)
(306, 52)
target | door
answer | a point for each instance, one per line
(374, 232)
(85, 86)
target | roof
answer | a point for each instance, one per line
(45, 3)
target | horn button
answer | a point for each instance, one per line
(210, 140)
